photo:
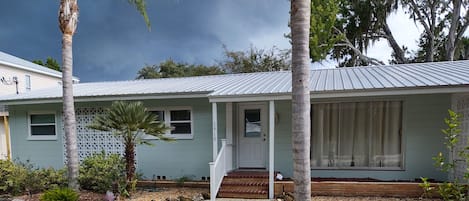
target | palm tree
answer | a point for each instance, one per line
(68, 18)
(130, 121)
(301, 133)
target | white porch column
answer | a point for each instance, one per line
(214, 131)
(271, 148)
(229, 136)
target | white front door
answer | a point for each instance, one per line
(252, 135)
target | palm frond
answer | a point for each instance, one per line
(141, 7)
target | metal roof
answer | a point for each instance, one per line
(12, 61)
(337, 80)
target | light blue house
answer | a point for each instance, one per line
(380, 122)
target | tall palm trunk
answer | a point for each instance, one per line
(68, 17)
(301, 124)
(129, 155)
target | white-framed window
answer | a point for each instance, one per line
(178, 119)
(42, 126)
(357, 135)
(27, 82)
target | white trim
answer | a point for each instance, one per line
(42, 137)
(345, 93)
(105, 98)
(214, 131)
(167, 122)
(253, 98)
(271, 147)
(391, 92)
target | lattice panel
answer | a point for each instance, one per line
(461, 105)
(91, 141)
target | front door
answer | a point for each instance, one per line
(252, 135)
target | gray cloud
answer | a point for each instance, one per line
(112, 41)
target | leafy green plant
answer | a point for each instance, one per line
(60, 194)
(426, 187)
(24, 177)
(451, 190)
(101, 172)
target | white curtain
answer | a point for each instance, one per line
(356, 134)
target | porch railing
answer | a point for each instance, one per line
(219, 168)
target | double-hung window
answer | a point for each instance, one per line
(351, 135)
(42, 126)
(178, 119)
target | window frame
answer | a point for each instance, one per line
(27, 82)
(42, 137)
(402, 133)
(167, 122)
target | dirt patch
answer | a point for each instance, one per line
(159, 194)
(327, 198)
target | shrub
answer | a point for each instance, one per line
(101, 172)
(18, 178)
(12, 178)
(60, 194)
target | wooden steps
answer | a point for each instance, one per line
(245, 184)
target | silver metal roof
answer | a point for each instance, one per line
(12, 61)
(338, 80)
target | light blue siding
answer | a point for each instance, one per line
(422, 123)
(45, 153)
(171, 159)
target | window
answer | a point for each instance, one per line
(27, 82)
(179, 119)
(357, 135)
(42, 126)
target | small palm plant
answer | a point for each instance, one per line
(130, 121)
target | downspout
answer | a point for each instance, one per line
(7, 136)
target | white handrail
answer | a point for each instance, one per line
(217, 171)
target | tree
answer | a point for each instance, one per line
(301, 124)
(68, 19)
(50, 63)
(170, 68)
(130, 122)
(255, 60)
(322, 32)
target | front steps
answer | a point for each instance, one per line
(245, 184)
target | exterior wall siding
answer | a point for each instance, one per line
(422, 122)
(44, 153)
(38, 81)
(188, 158)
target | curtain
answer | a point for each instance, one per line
(356, 134)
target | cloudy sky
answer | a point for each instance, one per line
(112, 41)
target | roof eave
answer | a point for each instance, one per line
(105, 98)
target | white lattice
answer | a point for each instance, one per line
(460, 104)
(91, 141)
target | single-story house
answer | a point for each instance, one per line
(380, 122)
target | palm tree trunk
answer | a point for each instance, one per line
(68, 17)
(129, 155)
(69, 112)
(301, 124)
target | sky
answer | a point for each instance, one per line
(112, 41)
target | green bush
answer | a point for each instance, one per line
(60, 194)
(19, 178)
(101, 172)
(12, 178)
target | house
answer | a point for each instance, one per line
(379, 122)
(18, 76)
